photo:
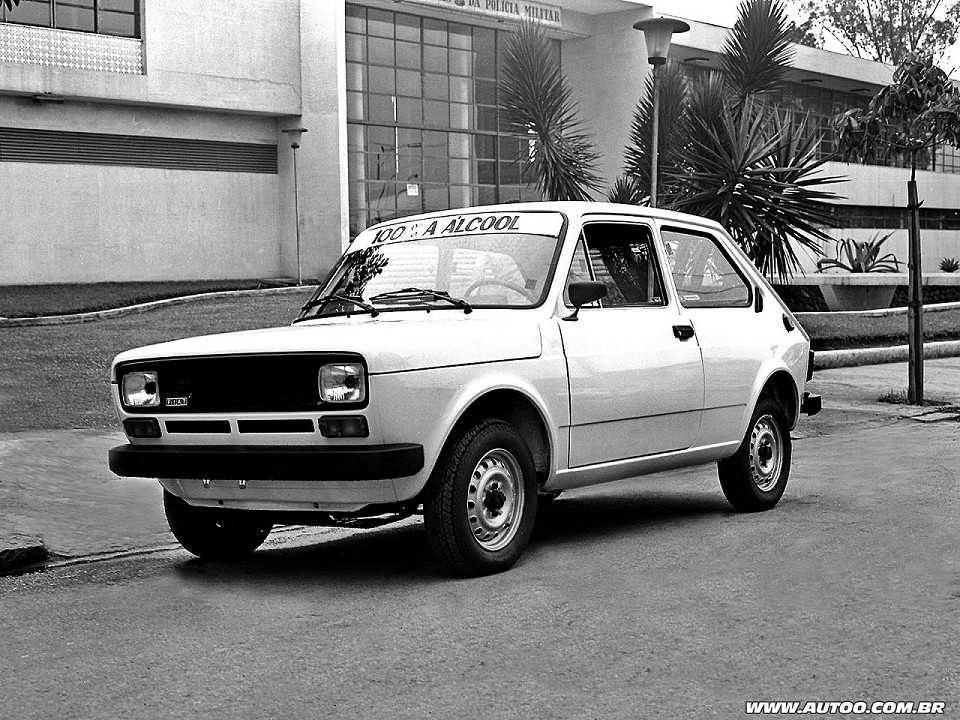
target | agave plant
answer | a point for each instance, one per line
(949, 265)
(862, 256)
(742, 162)
(535, 96)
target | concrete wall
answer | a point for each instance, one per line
(217, 70)
(89, 223)
(322, 157)
(606, 72)
(215, 54)
(122, 223)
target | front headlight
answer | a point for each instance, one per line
(140, 389)
(342, 383)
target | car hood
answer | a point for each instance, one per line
(391, 342)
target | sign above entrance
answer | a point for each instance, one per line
(517, 10)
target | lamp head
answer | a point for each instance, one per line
(294, 134)
(657, 33)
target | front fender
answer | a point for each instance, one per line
(433, 401)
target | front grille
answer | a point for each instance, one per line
(197, 426)
(275, 426)
(240, 383)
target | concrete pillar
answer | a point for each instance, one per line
(322, 157)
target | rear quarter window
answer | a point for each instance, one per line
(704, 274)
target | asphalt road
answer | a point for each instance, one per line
(641, 599)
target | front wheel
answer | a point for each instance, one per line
(213, 534)
(755, 477)
(480, 512)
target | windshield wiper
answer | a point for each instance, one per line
(415, 293)
(321, 302)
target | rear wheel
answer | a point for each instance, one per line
(213, 534)
(480, 511)
(755, 477)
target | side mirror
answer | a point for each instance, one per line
(584, 292)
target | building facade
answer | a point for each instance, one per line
(144, 139)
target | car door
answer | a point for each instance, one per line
(634, 366)
(719, 299)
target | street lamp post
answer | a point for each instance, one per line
(657, 33)
(295, 134)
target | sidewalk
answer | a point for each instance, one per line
(55, 485)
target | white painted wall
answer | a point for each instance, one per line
(85, 223)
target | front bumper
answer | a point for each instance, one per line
(232, 462)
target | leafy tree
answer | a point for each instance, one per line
(731, 156)
(884, 30)
(536, 98)
(919, 109)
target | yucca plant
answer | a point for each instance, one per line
(535, 96)
(949, 265)
(761, 183)
(742, 162)
(626, 191)
(862, 256)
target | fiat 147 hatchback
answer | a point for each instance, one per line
(471, 365)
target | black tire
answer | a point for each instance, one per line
(213, 534)
(750, 479)
(463, 536)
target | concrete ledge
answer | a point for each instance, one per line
(875, 278)
(19, 551)
(828, 359)
(142, 307)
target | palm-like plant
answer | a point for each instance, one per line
(759, 182)
(535, 96)
(743, 163)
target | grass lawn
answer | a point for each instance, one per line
(58, 376)
(34, 300)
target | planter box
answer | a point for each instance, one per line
(857, 297)
(866, 291)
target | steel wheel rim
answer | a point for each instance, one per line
(766, 453)
(495, 499)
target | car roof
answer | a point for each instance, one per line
(572, 209)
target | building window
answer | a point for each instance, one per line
(107, 17)
(424, 127)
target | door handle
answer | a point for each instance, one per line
(683, 332)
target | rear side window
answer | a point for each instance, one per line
(621, 256)
(703, 273)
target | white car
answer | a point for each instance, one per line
(474, 364)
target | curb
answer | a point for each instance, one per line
(829, 359)
(20, 551)
(74, 318)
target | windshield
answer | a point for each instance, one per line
(487, 269)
